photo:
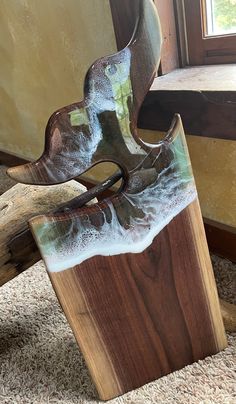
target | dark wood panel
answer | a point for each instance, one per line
(124, 18)
(221, 239)
(9, 160)
(209, 113)
(147, 314)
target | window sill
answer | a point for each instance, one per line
(204, 96)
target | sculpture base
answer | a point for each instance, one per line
(138, 317)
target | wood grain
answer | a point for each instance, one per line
(169, 54)
(138, 317)
(18, 250)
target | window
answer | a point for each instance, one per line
(220, 17)
(211, 31)
(206, 30)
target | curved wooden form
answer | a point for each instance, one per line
(157, 190)
(103, 126)
(132, 272)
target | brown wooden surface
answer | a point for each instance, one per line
(9, 160)
(137, 317)
(181, 32)
(204, 113)
(18, 250)
(217, 78)
(124, 19)
(169, 54)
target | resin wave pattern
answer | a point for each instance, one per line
(128, 222)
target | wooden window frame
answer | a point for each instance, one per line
(183, 39)
(206, 50)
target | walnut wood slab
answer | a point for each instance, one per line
(139, 308)
(18, 250)
(132, 272)
(138, 317)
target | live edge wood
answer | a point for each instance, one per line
(163, 309)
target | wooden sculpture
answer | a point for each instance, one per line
(132, 272)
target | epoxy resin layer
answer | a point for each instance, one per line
(128, 222)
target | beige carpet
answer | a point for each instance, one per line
(41, 363)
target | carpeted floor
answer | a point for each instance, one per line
(41, 363)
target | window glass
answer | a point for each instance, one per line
(220, 17)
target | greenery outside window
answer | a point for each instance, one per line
(211, 31)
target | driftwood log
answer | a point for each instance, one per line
(18, 250)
